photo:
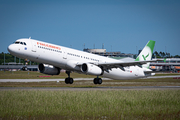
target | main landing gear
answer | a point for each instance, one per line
(97, 80)
(69, 80)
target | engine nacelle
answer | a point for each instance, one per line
(48, 69)
(91, 69)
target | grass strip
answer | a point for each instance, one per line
(37, 75)
(89, 83)
(110, 104)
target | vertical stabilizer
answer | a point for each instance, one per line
(146, 53)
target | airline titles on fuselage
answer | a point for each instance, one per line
(58, 49)
(49, 46)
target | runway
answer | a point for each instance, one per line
(44, 80)
(150, 87)
(75, 79)
(95, 88)
(170, 76)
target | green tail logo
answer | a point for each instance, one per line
(145, 57)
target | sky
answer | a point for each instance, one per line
(121, 25)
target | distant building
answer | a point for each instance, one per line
(13, 66)
(95, 51)
(13, 63)
(170, 64)
(103, 52)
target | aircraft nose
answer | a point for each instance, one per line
(11, 48)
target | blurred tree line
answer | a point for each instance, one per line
(164, 55)
(11, 58)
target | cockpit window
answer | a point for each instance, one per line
(17, 42)
(22, 43)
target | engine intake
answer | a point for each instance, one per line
(48, 69)
(91, 69)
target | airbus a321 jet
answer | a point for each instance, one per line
(53, 58)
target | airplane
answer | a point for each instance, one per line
(53, 58)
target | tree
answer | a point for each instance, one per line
(176, 56)
(156, 54)
(163, 54)
(11, 58)
(167, 55)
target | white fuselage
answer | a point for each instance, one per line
(67, 58)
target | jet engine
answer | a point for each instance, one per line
(48, 69)
(91, 69)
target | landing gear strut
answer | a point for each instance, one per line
(97, 80)
(69, 80)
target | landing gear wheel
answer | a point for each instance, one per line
(69, 80)
(97, 81)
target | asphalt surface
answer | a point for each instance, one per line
(87, 88)
(44, 80)
(75, 79)
(95, 88)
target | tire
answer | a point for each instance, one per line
(99, 81)
(71, 80)
(95, 80)
(67, 80)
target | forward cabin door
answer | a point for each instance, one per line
(33, 45)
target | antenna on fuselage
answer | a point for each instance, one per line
(30, 37)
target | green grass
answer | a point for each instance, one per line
(89, 83)
(107, 104)
(99, 104)
(83, 83)
(35, 75)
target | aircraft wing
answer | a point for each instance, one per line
(109, 65)
(156, 71)
(119, 64)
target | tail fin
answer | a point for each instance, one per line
(146, 53)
